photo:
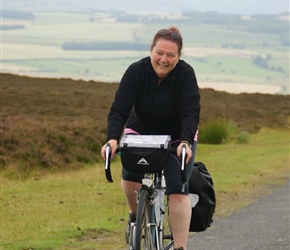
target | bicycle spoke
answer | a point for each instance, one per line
(165, 232)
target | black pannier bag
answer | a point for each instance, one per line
(144, 153)
(202, 197)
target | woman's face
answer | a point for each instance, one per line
(164, 56)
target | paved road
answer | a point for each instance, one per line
(262, 225)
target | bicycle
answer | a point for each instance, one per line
(152, 230)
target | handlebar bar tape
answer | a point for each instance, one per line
(183, 174)
(108, 163)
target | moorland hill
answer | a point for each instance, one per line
(60, 123)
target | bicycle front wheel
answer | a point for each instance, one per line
(144, 230)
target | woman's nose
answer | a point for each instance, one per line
(163, 58)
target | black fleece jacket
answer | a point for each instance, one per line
(142, 103)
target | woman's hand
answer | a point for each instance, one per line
(114, 146)
(188, 150)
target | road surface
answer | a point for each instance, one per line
(262, 225)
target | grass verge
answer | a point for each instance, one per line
(80, 210)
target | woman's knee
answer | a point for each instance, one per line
(178, 198)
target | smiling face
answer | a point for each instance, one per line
(164, 56)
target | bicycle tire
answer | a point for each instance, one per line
(142, 236)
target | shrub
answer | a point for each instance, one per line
(232, 130)
(214, 132)
(242, 137)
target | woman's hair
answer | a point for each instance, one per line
(171, 34)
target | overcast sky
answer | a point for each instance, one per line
(243, 7)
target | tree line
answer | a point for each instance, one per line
(264, 63)
(257, 23)
(106, 46)
(17, 14)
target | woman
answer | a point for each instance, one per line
(159, 95)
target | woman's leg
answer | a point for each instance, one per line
(179, 202)
(180, 214)
(129, 188)
(130, 183)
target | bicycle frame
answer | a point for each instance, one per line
(154, 187)
(152, 183)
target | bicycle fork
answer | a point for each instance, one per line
(150, 226)
(153, 226)
(132, 235)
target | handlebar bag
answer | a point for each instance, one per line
(144, 153)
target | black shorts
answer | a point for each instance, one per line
(171, 173)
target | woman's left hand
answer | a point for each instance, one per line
(188, 151)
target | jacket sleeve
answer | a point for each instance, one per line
(121, 106)
(189, 104)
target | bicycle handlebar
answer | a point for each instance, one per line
(183, 175)
(108, 164)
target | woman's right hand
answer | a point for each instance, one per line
(114, 146)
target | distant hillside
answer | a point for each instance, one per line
(247, 7)
(61, 123)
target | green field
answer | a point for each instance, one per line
(219, 53)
